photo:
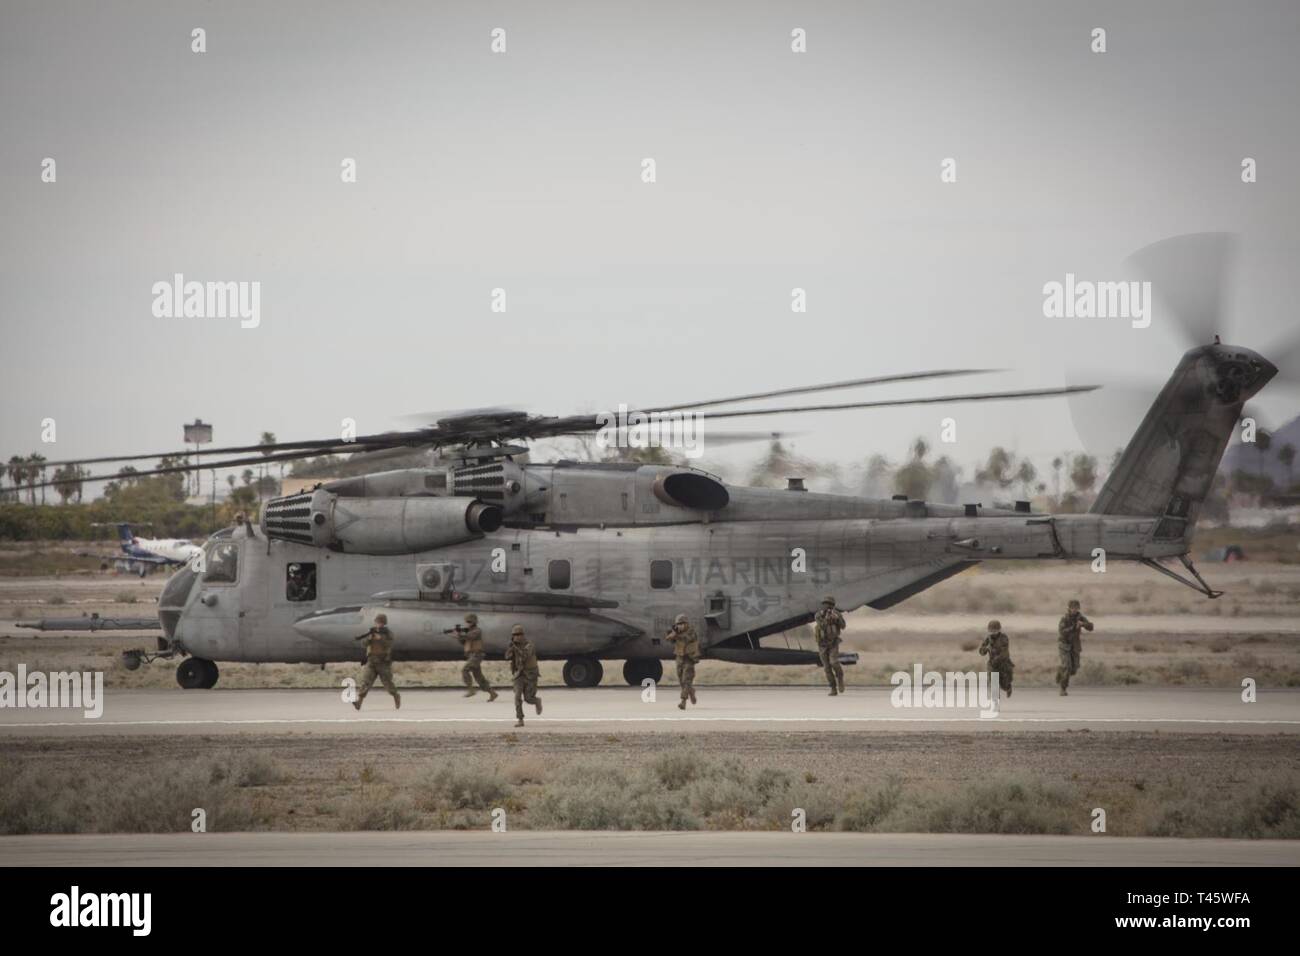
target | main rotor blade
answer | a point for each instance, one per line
(805, 389)
(413, 435)
(1189, 274)
(894, 402)
(578, 424)
(337, 448)
(741, 437)
(1285, 354)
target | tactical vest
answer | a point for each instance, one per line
(522, 658)
(379, 645)
(473, 641)
(686, 643)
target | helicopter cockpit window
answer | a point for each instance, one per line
(558, 575)
(222, 563)
(300, 581)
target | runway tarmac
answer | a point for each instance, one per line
(444, 710)
(638, 848)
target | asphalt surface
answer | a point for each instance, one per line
(607, 848)
(748, 709)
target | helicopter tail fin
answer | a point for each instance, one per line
(1170, 462)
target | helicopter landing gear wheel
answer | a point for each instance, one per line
(637, 669)
(195, 673)
(583, 672)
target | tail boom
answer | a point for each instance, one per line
(1167, 468)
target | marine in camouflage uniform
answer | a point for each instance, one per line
(379, 661)
(523, 665)
(686, 645)
(1068, 644)
(998, 648)
(829, 624)
(471, 639)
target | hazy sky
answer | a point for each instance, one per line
(522, 171)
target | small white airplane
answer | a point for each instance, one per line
(142, 555)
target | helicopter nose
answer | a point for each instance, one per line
(169, 620)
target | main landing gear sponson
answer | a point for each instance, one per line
(583, 672)
(195, 673)
(637, 669)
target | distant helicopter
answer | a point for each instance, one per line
(596, 559)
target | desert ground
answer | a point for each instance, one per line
(1150, 784)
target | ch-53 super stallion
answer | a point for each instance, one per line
(596, 559)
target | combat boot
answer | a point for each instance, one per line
(833, 692)
(840, 681)
(397, 701)
(357, 703)
(492, 695)
(1064, 692)
(693, 700)
(470, 691)
(539, 706)
(519, 722)
(682, 704)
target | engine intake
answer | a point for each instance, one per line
(377, 525)
(691, 489)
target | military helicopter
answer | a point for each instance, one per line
(597, 559)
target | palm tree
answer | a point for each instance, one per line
(38, 465)
(17, 471)
(65, 481)
(31, 472)
(915, 477)
(1026, 474)
(1263, 442)
(997, 470)
(1083, 474)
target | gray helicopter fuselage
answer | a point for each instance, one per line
(612, 592)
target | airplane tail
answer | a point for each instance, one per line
(124, 533)
(1169, 464)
